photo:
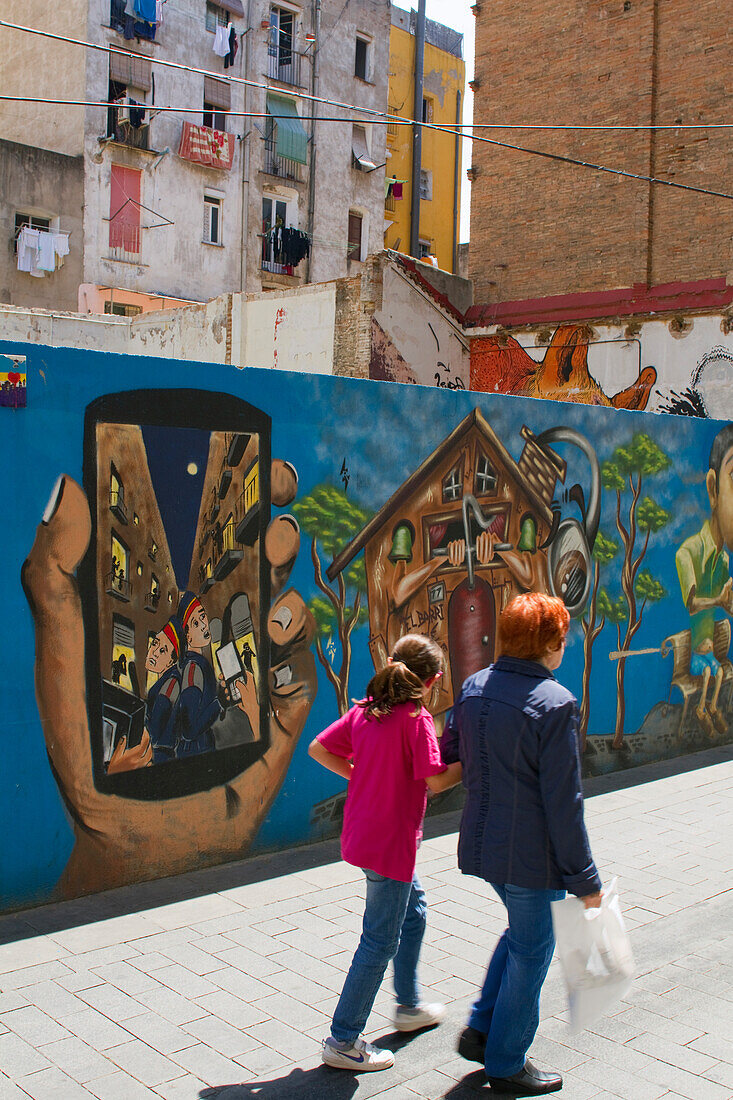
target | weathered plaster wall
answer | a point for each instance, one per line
(36, 181)
(292, 330)
(426, 337)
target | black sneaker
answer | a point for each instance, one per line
(530, 1081)
(472, 1045)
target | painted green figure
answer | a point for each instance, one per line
(703, 567)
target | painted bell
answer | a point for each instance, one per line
(401, 544)
(528, 534)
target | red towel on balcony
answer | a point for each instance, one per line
(205, 146)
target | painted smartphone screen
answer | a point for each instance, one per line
(178, 487)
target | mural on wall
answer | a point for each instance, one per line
(586, 364)
(188, 593)
(499, 364)
(12, 382)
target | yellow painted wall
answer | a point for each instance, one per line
(444, 77)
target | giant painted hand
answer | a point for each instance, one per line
(120, 840)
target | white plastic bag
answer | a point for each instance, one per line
(595, 955)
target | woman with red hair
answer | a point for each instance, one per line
(515, 730)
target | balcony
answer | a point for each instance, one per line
(152, 601)
(153, 551)
(206, 579)
(117, 505)
(276, 165)
(390, 206)
(231, 554)
(117, 585)
(284, 66)
(224, 482)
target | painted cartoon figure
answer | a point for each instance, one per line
(160, 714)
(703, 568)
(198, 706)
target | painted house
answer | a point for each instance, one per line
(422, 550)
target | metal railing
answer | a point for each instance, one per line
(117, 504)
(284, 66)
(275, 165)
(117, 584)
(125, 242)
(389, 204)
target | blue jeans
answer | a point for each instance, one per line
(508, 1009)
(393, 928)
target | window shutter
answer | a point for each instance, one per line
(218, 93)
(354, 249)
(131, 69)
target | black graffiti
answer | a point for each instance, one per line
(415, 619)
(345, 475)
(449, 383)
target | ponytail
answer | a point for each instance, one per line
(415, 658)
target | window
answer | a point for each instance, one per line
(153, 550)
(215, 17)
(453, 484)
(212, 220)
(425, 248)
(122, 309)
(361, 58)
(360, 149)
(281, 56)
(117, 580)
(136, 519)
(130, 78)
(215, 120)
(123, 651)
(274, 216)
(427, 109)
(32, 222)
(426, 184)
(124, 212)
(485, 479)
(353, 251)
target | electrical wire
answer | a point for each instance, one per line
(384, 116)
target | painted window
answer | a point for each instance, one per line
(485, 479)
(453, 484)
(124, 211)
(354, 248)
(123, 651)
(212, 219)
(118, 577)
(153, 550)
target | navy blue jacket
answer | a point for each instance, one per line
(198, 707)
(515, 730)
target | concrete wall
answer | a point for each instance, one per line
(679, 365)
(40, 67)
(365, 453)
(414, 340)
(292, 330)
(49, 185)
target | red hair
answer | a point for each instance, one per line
(532, 624)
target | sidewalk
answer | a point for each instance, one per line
(219, 985)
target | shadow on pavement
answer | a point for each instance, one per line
(323, 1083)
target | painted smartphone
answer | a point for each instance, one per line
(175, 589)
(230, 665)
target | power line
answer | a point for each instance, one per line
(384, 116)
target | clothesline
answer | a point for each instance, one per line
(40, 251)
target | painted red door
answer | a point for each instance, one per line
(471, 630)
(124, 211)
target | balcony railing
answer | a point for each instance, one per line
(389, 204)
(117, 504)
(284, 65)
(152, 599)
(116, 584)
(276, 165)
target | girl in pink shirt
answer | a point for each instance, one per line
(386, 747)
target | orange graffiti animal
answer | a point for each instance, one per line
(501, 365)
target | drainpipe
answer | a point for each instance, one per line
(315, 106)
(244, 243)
(417, 131)
(457, 181)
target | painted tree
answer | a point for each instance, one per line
(332, 520)
(604, 551)
(626, 472)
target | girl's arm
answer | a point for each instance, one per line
(446, 779)
(337, 764)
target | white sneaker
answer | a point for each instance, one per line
(412, 1019)
(362, 1057)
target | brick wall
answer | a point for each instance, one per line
(540, 227)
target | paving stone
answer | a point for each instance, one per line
(94, 1028)
(172, 1006)
(18, 1058)
(183, 1088)
(225, 1039)
(231, 1009)
(77, 1059)
(211, 1067)
(118, 1086)
(143, 1063)
(52, 1084)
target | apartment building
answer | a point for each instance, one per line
(444, 76)
(238, 187)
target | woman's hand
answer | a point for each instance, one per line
(593, 901)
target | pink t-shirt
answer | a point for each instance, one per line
(387, 794)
